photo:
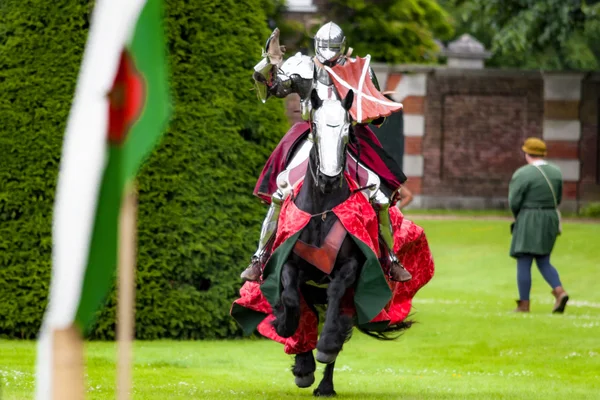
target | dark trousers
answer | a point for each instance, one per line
(549, 273)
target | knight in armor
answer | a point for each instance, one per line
(300, 74)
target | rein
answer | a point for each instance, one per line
(372, 186)
(323, 214)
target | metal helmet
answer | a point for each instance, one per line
(330, 43)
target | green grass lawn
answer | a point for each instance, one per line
(460, 213)
(429, 212)
(467, 345)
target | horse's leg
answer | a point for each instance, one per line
(304, 369)
(287, 311)
(337, 327)
(325, 388)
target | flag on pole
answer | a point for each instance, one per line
(118, 115)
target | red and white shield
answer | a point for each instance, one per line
(369, 104)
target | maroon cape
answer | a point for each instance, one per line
(370, 151)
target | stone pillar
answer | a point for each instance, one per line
(562, 127)
(410, 90)
(466, 52)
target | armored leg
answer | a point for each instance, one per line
(269, 227)
(381, 204)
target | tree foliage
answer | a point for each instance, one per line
(198, 221)
(295, 35)
(391, 31)
(546, 34)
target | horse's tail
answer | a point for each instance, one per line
(392, 332)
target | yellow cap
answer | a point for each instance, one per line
(534, 147)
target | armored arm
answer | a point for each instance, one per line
(272, 78)
(294, 76)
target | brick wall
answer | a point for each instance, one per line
(475, 125)
(464, 130)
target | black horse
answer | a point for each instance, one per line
(324, 188)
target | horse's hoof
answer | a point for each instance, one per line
(305, 381)
(319, 393)
(326, 358)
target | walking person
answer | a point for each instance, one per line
(535, 192)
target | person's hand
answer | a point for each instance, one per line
(406, 197)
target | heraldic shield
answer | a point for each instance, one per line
(369, 104)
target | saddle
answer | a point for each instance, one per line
(323, 257)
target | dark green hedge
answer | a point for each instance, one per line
(198, 221)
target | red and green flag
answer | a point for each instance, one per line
(118, 115)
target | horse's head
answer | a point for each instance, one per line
(331, 126)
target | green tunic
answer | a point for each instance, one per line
(531, 202)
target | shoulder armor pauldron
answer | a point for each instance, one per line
(300, 65)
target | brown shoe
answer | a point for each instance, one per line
(398, 273)
(253, 272)
(561, 300)
(522, 306)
